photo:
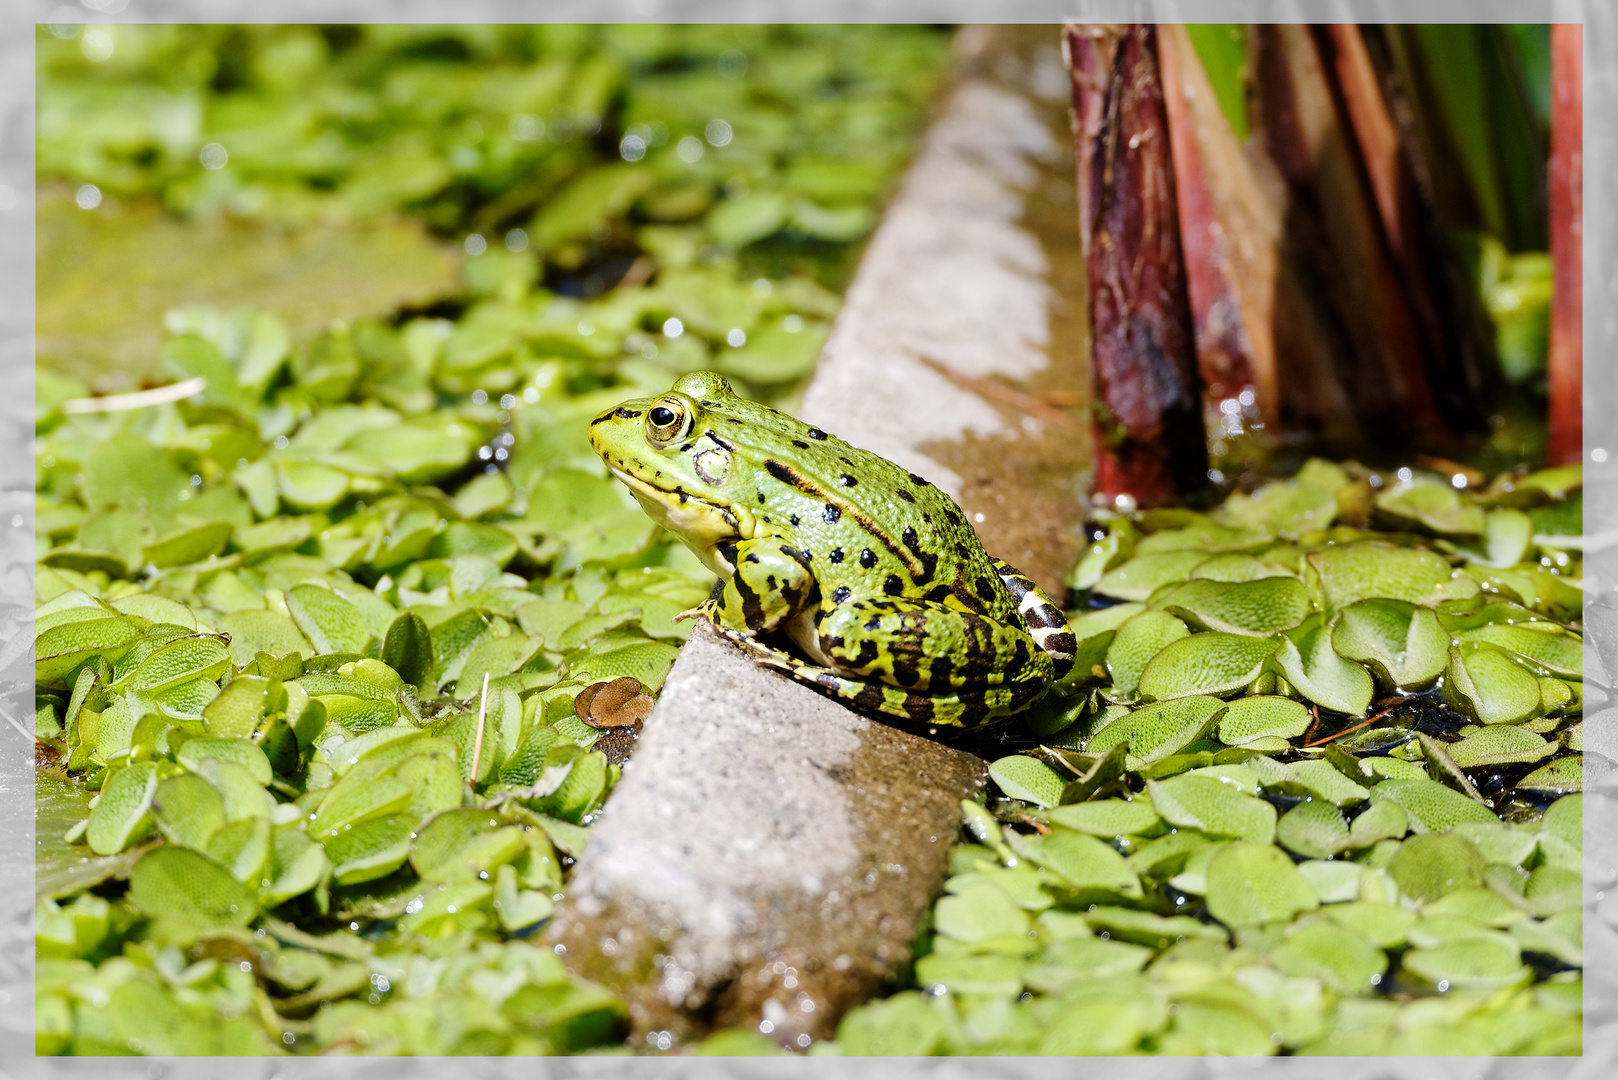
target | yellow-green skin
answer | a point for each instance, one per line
(872, 572)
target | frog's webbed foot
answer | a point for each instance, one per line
(703, 610)
(708, 609)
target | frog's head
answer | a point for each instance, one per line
(684, 472)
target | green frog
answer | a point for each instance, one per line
(836, 567)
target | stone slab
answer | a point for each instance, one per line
(765, 858)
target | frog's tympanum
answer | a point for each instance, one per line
(871, 574)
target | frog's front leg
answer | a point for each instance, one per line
(770, 584)
(929, 648)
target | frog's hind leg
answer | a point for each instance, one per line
(1046, 623)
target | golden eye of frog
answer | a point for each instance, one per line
(836, 567)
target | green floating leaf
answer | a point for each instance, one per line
(1145, 928)
(370, 849)
(187, 810)
(1499, 745)
(1360, 571)
(1026, 778)
(1490, 963)
(1542, 644)
(187, 546)
(128, 471)
(417, 453)
(1315, 779)
(1506, 535)
(181, 661)
(1254, 883)
(1263, 716)
(159, 609)
(1315, 828)
(648, 661)
(297, 864)
(309, 485)
(1143, 575)
(188, 888)
(1257, 608)
(1307, 660)
(464, 845)
(123, 813)
(332, 624)
(1081, 861)
(1289, 507)
(1437, 506)
(1107, 817)
(1562, 775)
(1382, 924)
(1430, 806)
(1201, 802)
(1137, 641)
(1333, 880)
(1427, 867)
(242, 752)
(1340, 958)
(1403, 644)
(1486, 684)
(253, 632)
(581, 791)
(61, 649)
(406, 648)
(1561, 936)
(1211, 663)
(236, 712)
(978, 913)
(1156, 731)
(242, 848)
(906, 1025)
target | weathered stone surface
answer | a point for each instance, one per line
(961, 351)
(766, 856)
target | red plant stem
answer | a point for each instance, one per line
(1088, 50)
(1226, 350)
(1566, 360)
(1367, 722)
(1148, 425)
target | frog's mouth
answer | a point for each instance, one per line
(702, 525)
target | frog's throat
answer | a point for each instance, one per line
(703, 526)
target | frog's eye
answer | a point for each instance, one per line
(666, 421)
